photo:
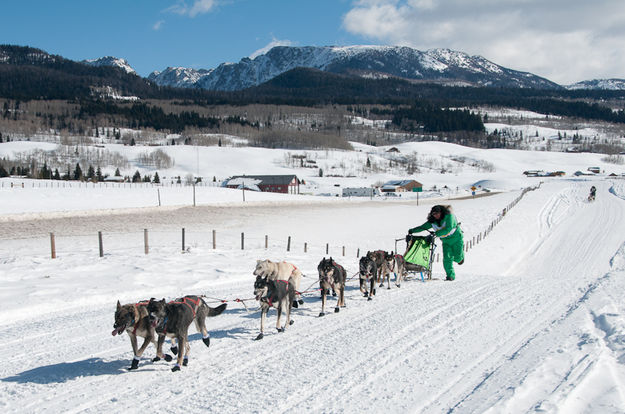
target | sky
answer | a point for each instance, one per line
(565, 41)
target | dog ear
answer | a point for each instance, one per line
(119, 305)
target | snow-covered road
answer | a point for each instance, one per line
(534, 322)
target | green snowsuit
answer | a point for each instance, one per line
(452, 238)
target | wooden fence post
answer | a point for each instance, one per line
(214, 239)
(305, 247)
(52, 246)
(266, 241)
(242, 241)
(327, 248)
(183, 239)
(343, 250)
(146, 247)
(288, 244)
(358, 252)
(158, 191)
(100, 244)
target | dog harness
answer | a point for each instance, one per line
(186, 301)
(183, 302)
(268, 299)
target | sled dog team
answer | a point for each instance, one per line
(277, 285)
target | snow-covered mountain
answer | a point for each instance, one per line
(609, 84)
(111, 61)
(441, 65)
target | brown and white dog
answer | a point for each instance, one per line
(133, 318)
(281, 271)
(397, 264)
(331, 276)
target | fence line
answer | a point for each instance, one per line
(263, 242)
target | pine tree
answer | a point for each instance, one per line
(132, 142)
(98, 174)
(157, 179)
(90, 173)
(3, 172)
(57, 175)
(117, 173)
(77, 172)
(136, 178)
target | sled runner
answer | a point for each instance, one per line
(419, 254)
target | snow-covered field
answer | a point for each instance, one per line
(535, 320)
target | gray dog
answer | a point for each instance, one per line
(173, 319)
(279, 294)
(331, 276)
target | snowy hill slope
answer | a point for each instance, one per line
(533, 321)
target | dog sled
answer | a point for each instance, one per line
(419, 255)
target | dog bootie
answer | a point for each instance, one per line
(175, 368)
(461, 262)
(185, 361)
(134, 364)
(207, 341)
(174, 350)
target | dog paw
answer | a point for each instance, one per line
(369, 298)
(301, 302)
(334, 294)
(207, 341)
(295, 305)
(389, 286)
(185, 361)
(336, 310)
(291, 322)
(156, 359)
(174, 350)
(280, 329)
(366, 294)
(168, 358)
(259, 337)
(175, 368)
(321, 314)
(381, 285)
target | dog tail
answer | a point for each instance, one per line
(218, 310)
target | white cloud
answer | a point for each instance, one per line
(158, 25)
(274, 42)
(198, 7)
(563, 40)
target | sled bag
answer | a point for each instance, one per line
(419, 252)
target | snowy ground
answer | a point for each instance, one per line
(534, 322)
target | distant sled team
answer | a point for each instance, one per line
(276, 286)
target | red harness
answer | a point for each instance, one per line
(186, 301)
(269, 301)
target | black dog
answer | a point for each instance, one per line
(368, 271)
(331, 276)
(279, 294)
(173, 319)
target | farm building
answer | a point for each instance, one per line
(399, 186)
(287, 184)
(360, 192)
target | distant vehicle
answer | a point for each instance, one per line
(595, 170)
(534, 173)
